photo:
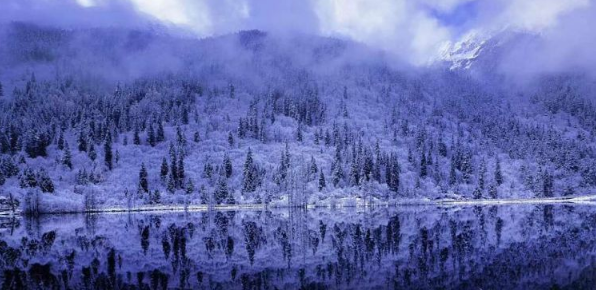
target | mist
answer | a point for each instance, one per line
(413, 31)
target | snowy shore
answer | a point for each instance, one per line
(329, 203)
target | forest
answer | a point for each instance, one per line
(109, 117)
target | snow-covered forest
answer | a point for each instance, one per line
(112, 117)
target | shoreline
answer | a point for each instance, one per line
(585, 200)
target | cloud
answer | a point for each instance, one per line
(415, 30)
(566, 46)
(398, 26)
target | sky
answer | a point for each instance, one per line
(413, 29)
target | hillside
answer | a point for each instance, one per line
(94, 118)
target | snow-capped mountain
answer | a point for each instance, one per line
(482, 51)
(462, 54)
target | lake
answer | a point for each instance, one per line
(413, 247)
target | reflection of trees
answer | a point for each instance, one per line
(475, 247)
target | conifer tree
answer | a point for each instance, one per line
(221, 192)
(227, 164)
(161, 136)
(313, 169)
(163, 172)
(171, 183)
(477, 193)
(67, 158)
(299, 133)
(492, 191)
(355, 174)
(322, 183)
(368, 167)
(151, 139)
(482, 176)
(107, 148)
(180, 173)
(136, 139)
(61, 141)
(143, 182)
(394, 172)
(91, 152)
(498, 173)
(190, 187)
(45, 182)
(180, 137)
(248, 180)
(82, 142)
(28, 179)
(452, 174)
(230, 139)
(423, 168)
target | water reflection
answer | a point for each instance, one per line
(506, 247)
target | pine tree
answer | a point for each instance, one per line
(452, 173)
(174, 169)
(230, 139)
(313, 168)
(45, 182)
(423, 168)
(248, 180)
(227, 164)
(477, 193)
(28, 179)
(156, 197)
(136, 139)
(161, 136)
(143, 182)
(393, 180)
(322, 183)
(171, 183)
(547, 184)
(91, 152)
(190, 187)
(355, 174)
(61, 140)
(82, 177)
(492, 191)
(482, 176)
(368, 166)
(185, 115)
(67, 158)
(337, 172)
(232, 91)
(180, 137)
(221, 192)
(299, 133)
(151, 139)
(180, 172)
(107, 151)
(498, 174)
(163, 173)
(82, 142)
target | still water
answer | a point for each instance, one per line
(482, 247)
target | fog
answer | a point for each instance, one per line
(412, 31)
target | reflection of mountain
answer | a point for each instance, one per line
(520, 247)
